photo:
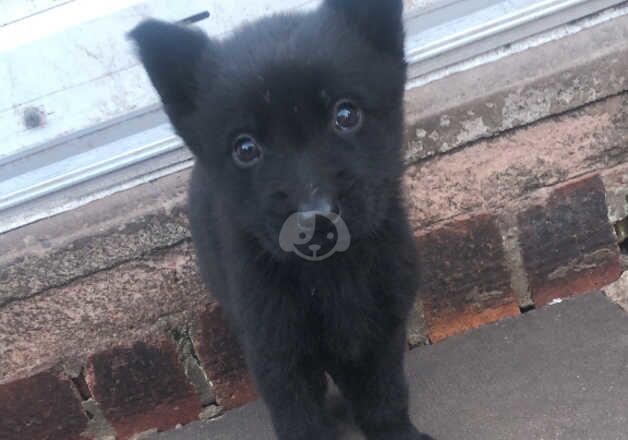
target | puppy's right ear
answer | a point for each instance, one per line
(380, 21)
(172, 55)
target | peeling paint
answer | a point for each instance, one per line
(526, 105)
(473, 129)
(524, 89)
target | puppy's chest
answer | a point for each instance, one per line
(345, 316)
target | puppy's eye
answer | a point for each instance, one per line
(348, 117)
(246, 151)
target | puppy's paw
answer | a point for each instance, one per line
(412, 436)
(406, 436)
(400, 434)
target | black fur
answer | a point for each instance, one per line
(278, 79)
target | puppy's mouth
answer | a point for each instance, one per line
(309, 251)
(314, 236)
(321, 244)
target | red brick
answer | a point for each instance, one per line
(142, 387)
(465, 281)
(222, 358)
(41, 407)
(568, 244)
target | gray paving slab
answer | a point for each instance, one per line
(560, 373)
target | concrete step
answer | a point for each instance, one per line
(560, 373)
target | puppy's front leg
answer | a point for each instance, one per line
(377, 390)
(294, 393)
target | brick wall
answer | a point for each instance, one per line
(107, 332)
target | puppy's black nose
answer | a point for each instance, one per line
(306, 220)
(306, 215)
(321, 205)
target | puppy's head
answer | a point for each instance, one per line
(297, 112)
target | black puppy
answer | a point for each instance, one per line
(301, 113)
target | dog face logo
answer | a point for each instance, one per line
(314, 235)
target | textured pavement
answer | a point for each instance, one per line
(560, 373)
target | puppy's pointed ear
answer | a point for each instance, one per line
(172, 55)
(380, 21)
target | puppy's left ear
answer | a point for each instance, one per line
(380, 21)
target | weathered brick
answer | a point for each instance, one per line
(465, 279)
(223, 360)
(568, 244)
(41, 407)
(131, 302)
(142, 387)
(497, 173)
